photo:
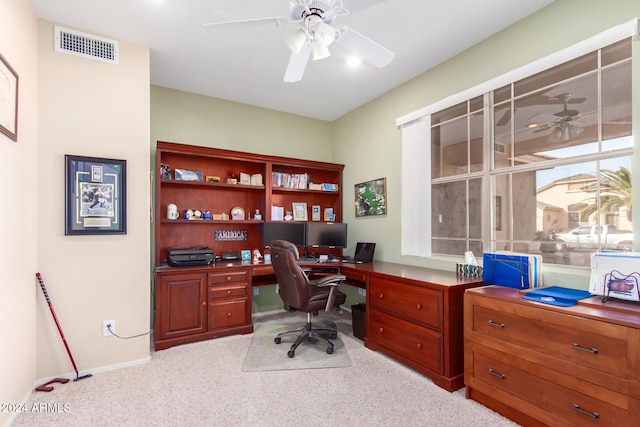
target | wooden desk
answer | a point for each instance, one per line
(413, 315)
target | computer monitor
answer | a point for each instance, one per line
(293, 232)
(327, 234)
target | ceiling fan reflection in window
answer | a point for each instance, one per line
(316, 33)
(565, 123)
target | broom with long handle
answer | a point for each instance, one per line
(55, 318)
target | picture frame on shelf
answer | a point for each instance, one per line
(371, 197)
(95, 195)
(300, 211)
(315, 213)
(9, 96)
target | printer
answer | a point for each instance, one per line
(190, 257)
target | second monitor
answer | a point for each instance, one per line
(326, 234)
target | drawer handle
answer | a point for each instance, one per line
(419, 345)
(497, 325)
(381, 296)
(587, 350)
(204, 303)
(228, 314)
(495, 374)
(228, 278)
(419, 306)
(593, 415)
(381, 330)
(228, 292)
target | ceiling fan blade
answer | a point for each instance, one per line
(278, 21)
(506, 117)
(356, 5)
(366, 49)
(297, 64)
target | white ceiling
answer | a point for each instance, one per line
(247, 64)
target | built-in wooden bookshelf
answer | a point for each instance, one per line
(220, 197)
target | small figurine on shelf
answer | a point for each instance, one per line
(233, 178)
(257, 256)
(288, 216)
(257, 215)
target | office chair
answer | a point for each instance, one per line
(300, 294)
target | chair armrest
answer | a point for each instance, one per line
(332, 280)
(335, 280)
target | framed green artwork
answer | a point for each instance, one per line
(371, 197)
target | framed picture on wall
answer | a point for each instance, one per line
(8, 100)
(371, 197)
(95, 195)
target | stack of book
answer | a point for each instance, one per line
(290, 180)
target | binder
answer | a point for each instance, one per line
(512, 269)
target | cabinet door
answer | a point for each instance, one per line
(181, 305)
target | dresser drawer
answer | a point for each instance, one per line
(423, 345)
(409, 302)
(588, 343)
(227, 313)
(583, 405)
(227, 277)
(227, 291)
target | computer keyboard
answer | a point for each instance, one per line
(307, 259)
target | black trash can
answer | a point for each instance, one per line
(359, 320)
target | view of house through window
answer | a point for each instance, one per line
(542, 165)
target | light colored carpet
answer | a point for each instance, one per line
(202, 384)
(265, 355)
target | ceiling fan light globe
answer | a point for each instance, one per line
(296, 40)
(320, 51)
(324, 34)
(575, 131)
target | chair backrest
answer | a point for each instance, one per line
(294, 284)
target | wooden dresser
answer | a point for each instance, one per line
(540, 364)
(414, 315)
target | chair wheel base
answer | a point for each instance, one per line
(329, 350)
(291, 353)
(277, 340)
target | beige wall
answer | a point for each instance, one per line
(91, 108)
(18, 226)
(368, 143)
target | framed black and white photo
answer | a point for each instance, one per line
(95, 195)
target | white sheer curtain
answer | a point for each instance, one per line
(416, 188)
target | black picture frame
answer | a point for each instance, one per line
(95, 195)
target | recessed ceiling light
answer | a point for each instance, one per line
(353, 61)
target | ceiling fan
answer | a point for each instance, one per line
(316, 33)
(562, 122)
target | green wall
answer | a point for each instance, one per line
(367, 140)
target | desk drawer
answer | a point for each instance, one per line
(418, 343)
(263, 270)
(231, 291)
(409, 302)
(227, 277)
(356, 276)
(227, 313)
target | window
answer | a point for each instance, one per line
(526, 162)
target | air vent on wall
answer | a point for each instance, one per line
(86, 45)
(499, 148)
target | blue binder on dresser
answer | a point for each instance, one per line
(511, 270)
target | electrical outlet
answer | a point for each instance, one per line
(362, 291)
(105, 329)
(277, 288)
(256, 291)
